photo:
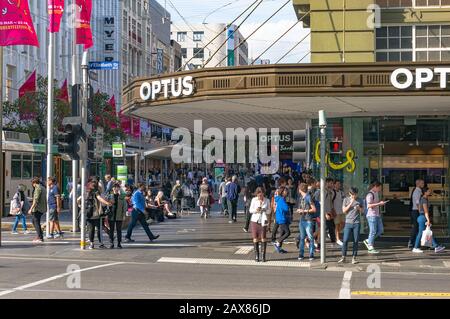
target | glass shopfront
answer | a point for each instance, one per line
(396, 151)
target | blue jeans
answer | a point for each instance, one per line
(375, 228)
(421, 220)
(135, 217)
(348, 230)
(16, 222)
(306, 230)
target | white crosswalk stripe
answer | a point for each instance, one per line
(233, 262)
(243, 250)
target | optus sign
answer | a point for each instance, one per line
(403, 78)
(175, 87)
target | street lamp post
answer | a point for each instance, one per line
(323, 127)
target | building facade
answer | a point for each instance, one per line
(211, 45)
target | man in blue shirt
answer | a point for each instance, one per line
(138, 201)
(233, 190)
(54, 206)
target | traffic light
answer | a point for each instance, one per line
(300, 143)
(68, 140)
(336, 147)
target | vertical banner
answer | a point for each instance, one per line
(16, 25)
(64, 93)
(125, 123)
(230, 45)
(55, 13)
(136, 128)
(84, 32)
(26, 102)
(159, 61)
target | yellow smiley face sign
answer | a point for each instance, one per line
(348, 164)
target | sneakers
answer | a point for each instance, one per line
(154, 238)
(340, 243)
(230, 222)
(355, 261)
(129, 240)
(50, 236)
(366, 243)
(57, 236)
(277, 248)
(301, 258)
(37, 241)
(245, 230)
(91, 246)
(26, 232)
(373, 250)
(101, 246)
(311, 258)
(283, 251)
(417, 251)
(342, 260)
(14, 232)
(119, 246)
(439, 249)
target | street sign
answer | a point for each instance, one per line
(117, 149)
(98, 152)
(122, 173)
(114, 65)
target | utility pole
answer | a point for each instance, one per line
(74, 162)
(323, 127)
(50, 104)
(2, 173)
(83, 144)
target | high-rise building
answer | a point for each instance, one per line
(228, 49)
(377, 30)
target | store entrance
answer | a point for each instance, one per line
(411, 149)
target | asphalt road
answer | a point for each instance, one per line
(197, 259)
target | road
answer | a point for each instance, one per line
(204, 259)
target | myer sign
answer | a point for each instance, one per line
(421, 77)
(183, 86)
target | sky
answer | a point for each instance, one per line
(225, 11)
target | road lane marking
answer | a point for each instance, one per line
(243, 250)
(344, 293)
(36, 244)
(43, 281)
(158, 245)
(400, 294)
(233, 262)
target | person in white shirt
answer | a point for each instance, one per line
(259, 208)
(416, 195)
(339, 220)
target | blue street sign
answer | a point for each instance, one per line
(114, 65)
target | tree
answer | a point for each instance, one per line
(35, 104)
(28, 114)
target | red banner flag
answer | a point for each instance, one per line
(84, 32)
(136, 128)
(55, 13)
(125, 123)
(64, 93)
(16, 25)
(26, 105)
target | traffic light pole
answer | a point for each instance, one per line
(50, 104)
(83, 145)
(323, 127)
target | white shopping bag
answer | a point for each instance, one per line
(427, 238)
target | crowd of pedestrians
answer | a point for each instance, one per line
(271, 204)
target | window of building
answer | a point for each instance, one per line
(412, 3)
(181, 36)
(10, 75)
(413, 43)
(26, 165)
(198, 35)
(199, 53)
(184, 53)
(432, 3)
(394, 43)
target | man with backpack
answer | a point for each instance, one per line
(19, 208)
(373, 204)
(233, 190)
(38, 208)
(177, 195)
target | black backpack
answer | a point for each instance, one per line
(89, 205)
(179, 193)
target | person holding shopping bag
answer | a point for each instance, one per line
(424, 221)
